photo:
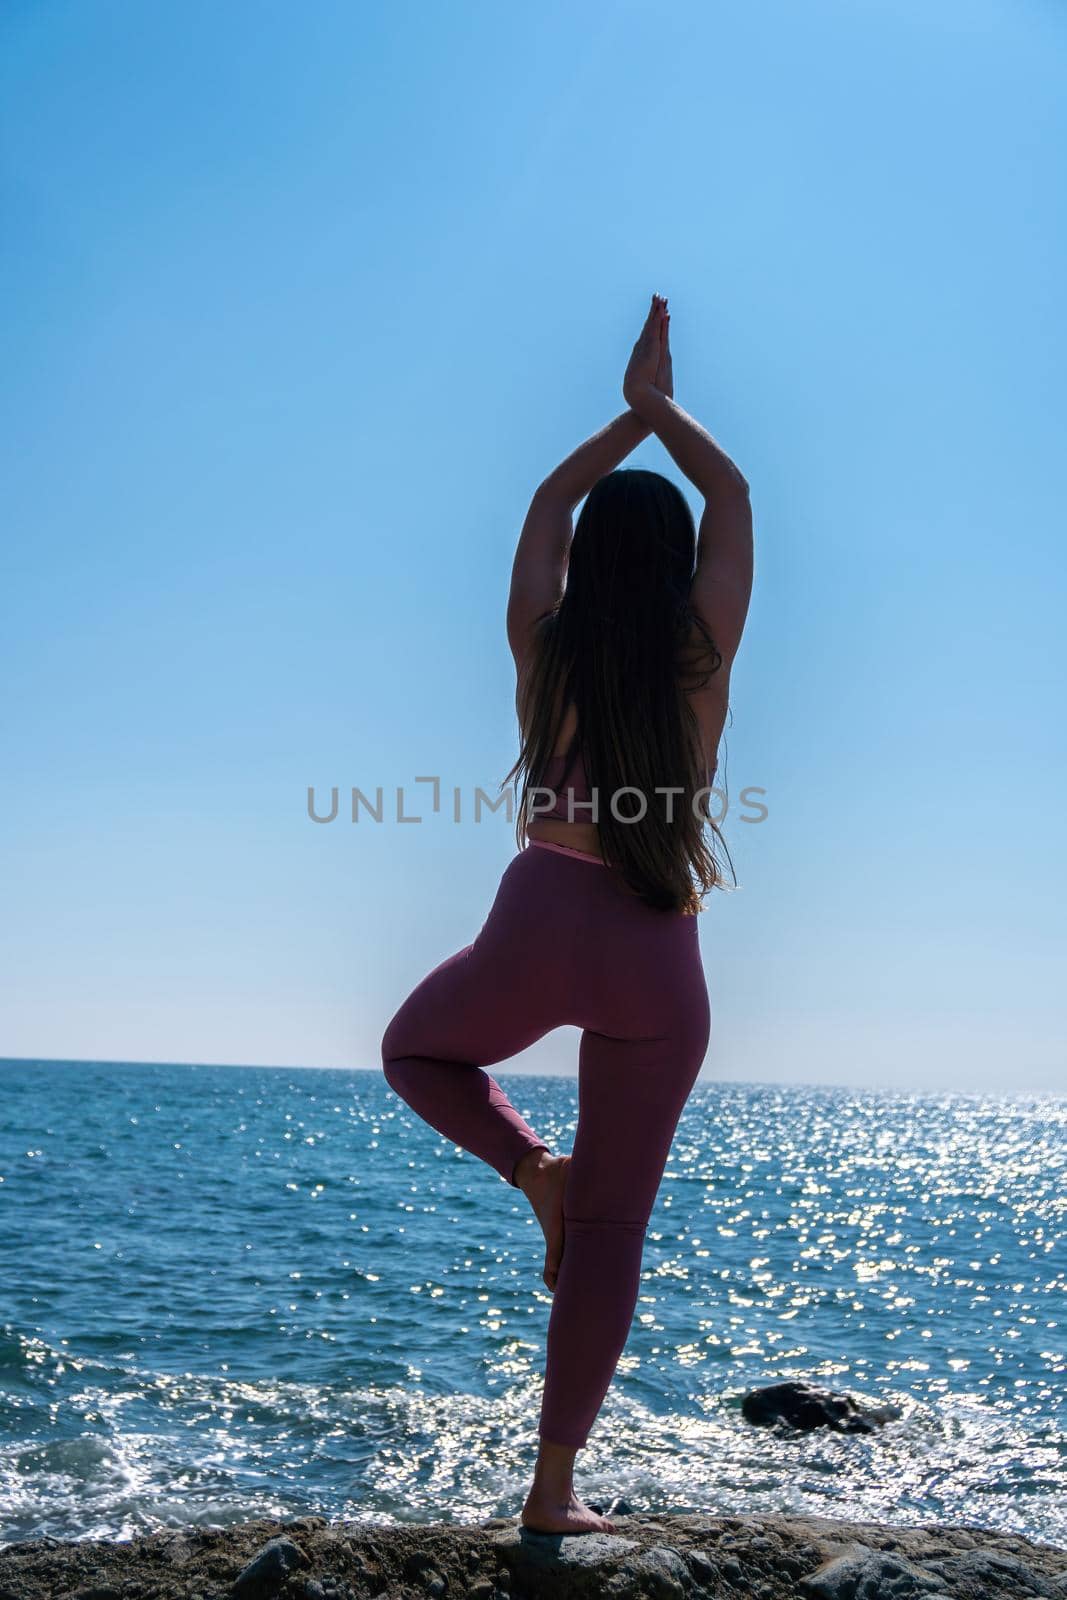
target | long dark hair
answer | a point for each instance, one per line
(625, 649)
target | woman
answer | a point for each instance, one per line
(623, 637)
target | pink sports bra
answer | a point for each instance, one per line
(559, 768)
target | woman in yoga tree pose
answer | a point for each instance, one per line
(624, 629)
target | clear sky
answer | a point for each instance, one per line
(301, 302)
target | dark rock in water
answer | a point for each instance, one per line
(801, 1405)
(268, 1569)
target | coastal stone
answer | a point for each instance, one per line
(526, 1550)
(805, 1407)
(651, 1556)
(659, 1572)
(701, 1566)
(268, 1569)
(865, 1574)
(973, 1570)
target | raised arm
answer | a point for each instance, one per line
(722, 583)
(541, 556)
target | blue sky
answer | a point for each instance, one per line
(300, 303)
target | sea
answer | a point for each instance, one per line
(230, 1292)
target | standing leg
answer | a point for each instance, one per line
(631, 1096)
(632, 1093)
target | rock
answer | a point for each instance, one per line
(417, 1563)
(421, 1566)
(801, 1405)
(702, 1566)
(659, 1572)
(976, 1571)
(650, 1556)
(532, 1552)
(182, 1546)
(268, 1569)
(865, 1574)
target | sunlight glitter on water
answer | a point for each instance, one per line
(252, 1293)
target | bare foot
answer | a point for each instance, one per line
(542, 1179)
(542, 1514)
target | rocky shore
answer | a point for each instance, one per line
(650, 1557)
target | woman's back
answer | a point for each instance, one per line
(565, 816)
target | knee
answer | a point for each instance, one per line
(396, 1077)
(393, 1053)
(399, 1073)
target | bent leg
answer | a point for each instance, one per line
(433, 1052)
(631, 1095)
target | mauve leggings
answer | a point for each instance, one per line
(567, 942)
